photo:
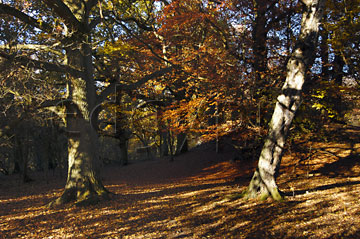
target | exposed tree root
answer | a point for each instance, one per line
(89, 192)
(259, 189)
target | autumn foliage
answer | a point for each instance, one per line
(87, 86)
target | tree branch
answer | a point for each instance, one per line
(63, 11)
(8, 10)
(56, 102)
(33, 47)
(138, 23)
(117, 86)
(145, 79)
(25, 61)
(166, 3)
(95, 22)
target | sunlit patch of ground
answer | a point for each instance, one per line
(189, 198)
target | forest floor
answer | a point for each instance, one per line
(192, 198)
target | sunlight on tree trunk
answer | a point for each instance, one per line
(83, 184)
(263, 182)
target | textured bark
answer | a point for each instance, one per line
(83, 185)
(264, 180)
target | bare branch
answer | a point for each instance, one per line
(95, 22)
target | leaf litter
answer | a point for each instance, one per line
(189, 198)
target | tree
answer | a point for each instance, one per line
(342, 26)
(21, 93)
(59, 38)
(196, 35)
(263, 182)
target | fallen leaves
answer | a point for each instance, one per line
(189, 199)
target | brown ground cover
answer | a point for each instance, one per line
(192, 197)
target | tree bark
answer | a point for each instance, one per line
(83, 185)
(263, 182)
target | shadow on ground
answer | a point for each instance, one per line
(189, 198)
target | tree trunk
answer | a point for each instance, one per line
(324, 51)
(83, 185)
(259, 36)
(263, 182)
(121, 133)
(181, 143)
(21, 148)
(171, 144)
(337, 72)
(164, 144)
(123, 146)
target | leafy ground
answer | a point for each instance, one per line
(192, 198)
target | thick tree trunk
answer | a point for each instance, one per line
(121, 133)
(83, 185)
(263, 182)
(337, 72)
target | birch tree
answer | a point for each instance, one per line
(263, 182)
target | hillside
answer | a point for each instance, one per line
(193, 197)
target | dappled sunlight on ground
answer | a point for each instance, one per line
(189, 198)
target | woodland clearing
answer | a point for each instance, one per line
(193, 197)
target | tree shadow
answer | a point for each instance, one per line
(340, 157)
(346, 134)
(170, 191)
(343, 167)
(321, 188)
